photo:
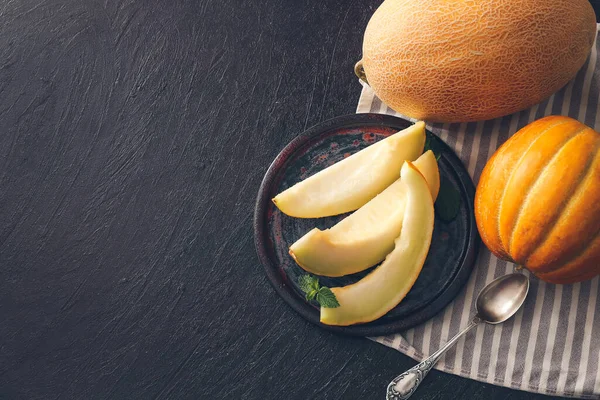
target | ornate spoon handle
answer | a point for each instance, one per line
(404, 385)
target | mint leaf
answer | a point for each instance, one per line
(447, 204)
(326, 298)
(427, 144)
(448, 201)
(308, 283)
(310, 296)
(314, 291)
(433, 145)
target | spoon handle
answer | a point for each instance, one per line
(404, 385)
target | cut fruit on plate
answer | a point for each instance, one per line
(364, 238)
(385, 287)
(349, 184)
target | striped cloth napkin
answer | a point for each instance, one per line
(552, 346)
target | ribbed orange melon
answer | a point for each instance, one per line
(537, 203)
(455, 61)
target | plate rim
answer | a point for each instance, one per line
(277, 279)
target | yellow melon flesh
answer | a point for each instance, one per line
(385, 287)
(364, 238)
(349, 184)
(428, 167)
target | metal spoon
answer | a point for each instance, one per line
(496, 303)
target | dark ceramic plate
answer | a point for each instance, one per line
(454, 244)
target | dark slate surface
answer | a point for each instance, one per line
(133, 138)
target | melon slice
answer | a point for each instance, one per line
(349, 184)
(385, 287)
(364, 238)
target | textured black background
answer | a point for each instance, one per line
(133, 138)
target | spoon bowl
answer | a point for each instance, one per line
(502, 298)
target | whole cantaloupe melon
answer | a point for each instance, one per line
(469, 60)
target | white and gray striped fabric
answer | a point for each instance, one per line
(553, 345)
